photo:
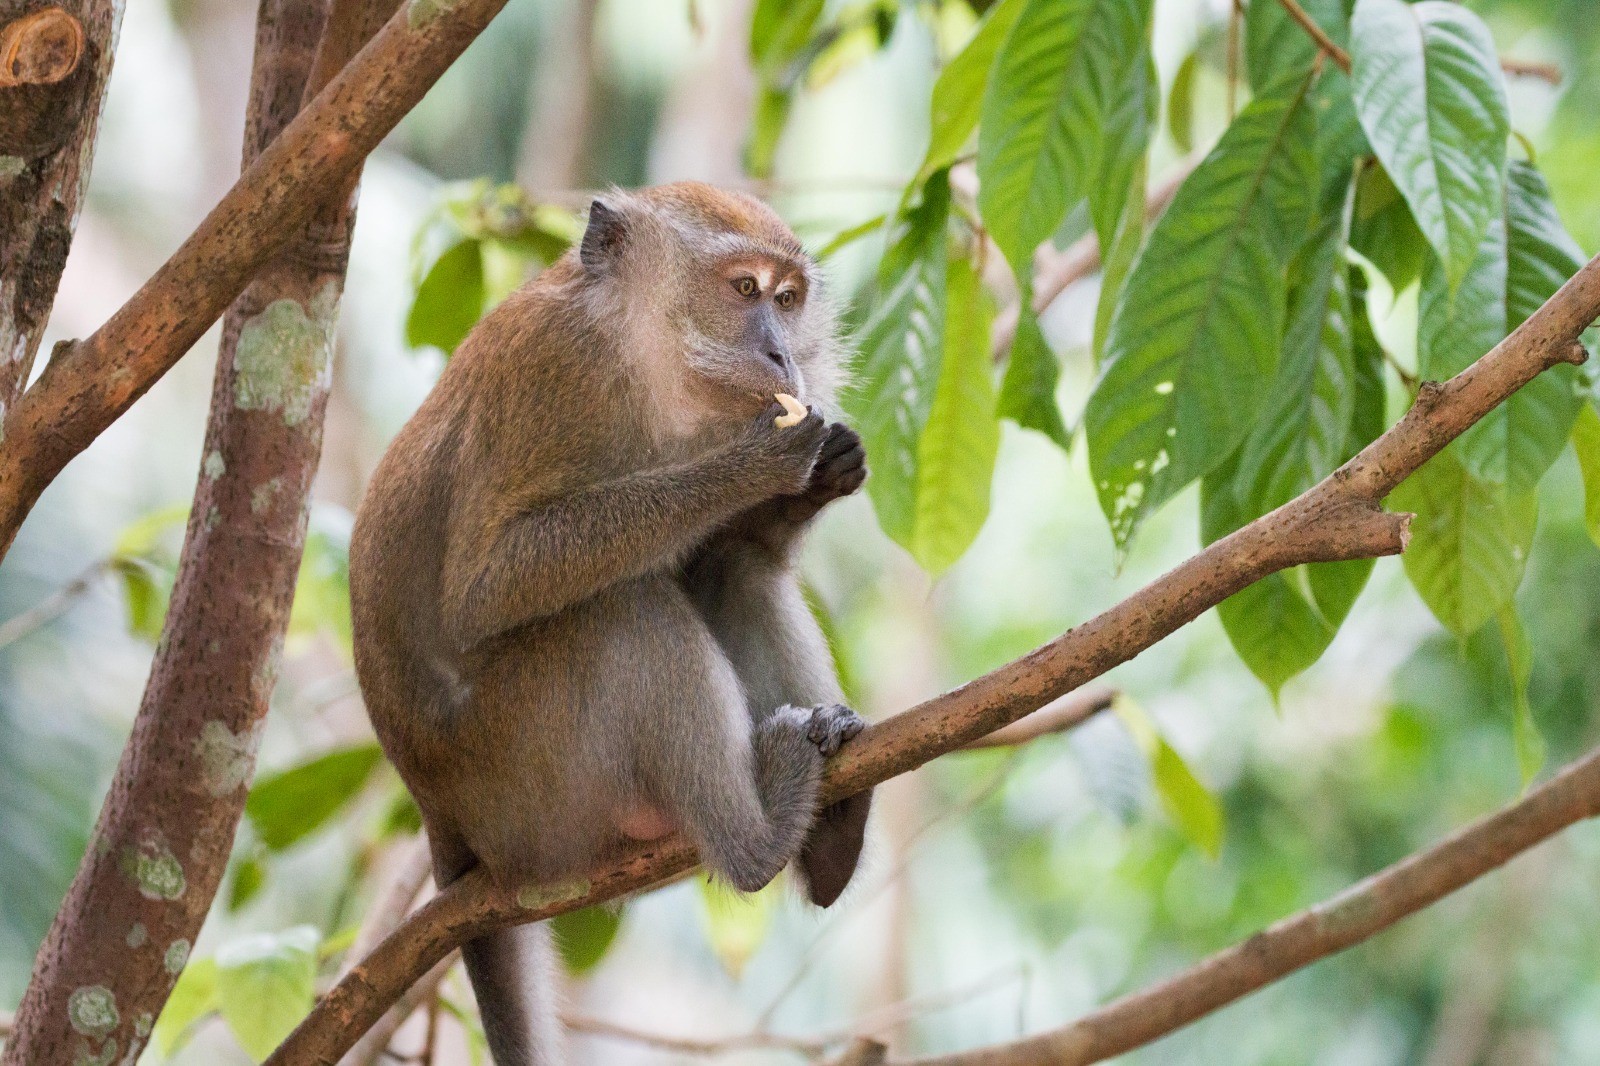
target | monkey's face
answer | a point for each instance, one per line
(748, 325)
(716, 285)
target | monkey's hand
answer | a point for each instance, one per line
(840, 469)
(784, 458)
(831, 725)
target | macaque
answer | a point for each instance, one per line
(577, 621)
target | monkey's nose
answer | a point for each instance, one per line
(779, 360)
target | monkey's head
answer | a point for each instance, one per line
(716, 296)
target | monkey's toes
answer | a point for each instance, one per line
(831, 725)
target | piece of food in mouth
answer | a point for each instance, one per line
(793, 411)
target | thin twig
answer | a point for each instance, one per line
(1324, 42)
(52, 606)
(1068, 712)
(1359, 912)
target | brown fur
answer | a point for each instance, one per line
(575, 615)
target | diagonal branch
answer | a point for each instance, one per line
(1361, 911)
(90, 383)
(1340, 518)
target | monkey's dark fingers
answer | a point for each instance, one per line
(841, 438)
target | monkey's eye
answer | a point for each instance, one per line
(746, 287)
(785, 299)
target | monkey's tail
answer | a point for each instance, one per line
(514, 979)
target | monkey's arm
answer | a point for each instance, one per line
(515, 560)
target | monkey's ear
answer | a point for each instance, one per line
(602, 240)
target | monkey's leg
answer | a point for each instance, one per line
(513, 974)
(754, 606)
(744, 792)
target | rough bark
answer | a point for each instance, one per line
(163, 838)
(91, 382)
(49, 112)
(1340, 518)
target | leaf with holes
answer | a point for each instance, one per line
(1432, 101)
(1195, 337)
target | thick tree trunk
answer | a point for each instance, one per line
(162, 843)
(49, 112)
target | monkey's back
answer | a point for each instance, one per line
(527, 409)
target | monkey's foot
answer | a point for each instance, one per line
(831, 725)
(841, 466)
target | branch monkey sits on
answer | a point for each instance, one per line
(576, 617)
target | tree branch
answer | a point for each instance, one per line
(136, 905)
(54, 66)
(1359, 912)
(91, 382)
(1340, 518)
(1340, 57)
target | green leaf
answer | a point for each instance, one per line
(193, 997)
(287, 806)
(1064, 70)
(1281, 625)
(1384, 232)
(957, 451)
(146, 589)
(846, 237)
(902, 351)
(1180, 103)
(766, 129)
(322, 588)
(450, 299)
(1117, 258)
(1189, 804)
(1469, 541)
(248, 877)
(1432, 101)
(1523, 259)
(736, 924)
(1586, 442)
(265, 986)
(958, 92)
(584, 935)
(1198, 326)
(1275, 45)
(1526, 737)
(1028, 390)
(779, 31)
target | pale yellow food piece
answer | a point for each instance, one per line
(793, 410)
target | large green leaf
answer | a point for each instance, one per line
(1469, 541)
(1432, 101)
(287, 806)
(1283, 623)
(193, 997)
(1522, 260)
(958, 92)
(957, 451)
(265, 986)
(902, 351)
(1194, 340)
(1070, 104)
(1064, 70)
